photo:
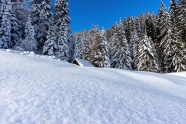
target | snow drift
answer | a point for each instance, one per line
(43, 90)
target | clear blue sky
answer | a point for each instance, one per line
(105, 13)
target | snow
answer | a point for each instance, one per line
(41, 90)
(83, 63)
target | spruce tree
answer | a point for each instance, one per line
(167, 56)
(163, 27)
(182, 20)
(178, 48)
(15, 32)
(50, 46)
(95, 56)
(99, 49)
(125, 56)
(179, 57)
(5, 29)
(104, 44)
(150, 25)
(62, 20)
(78, 47)
(114, 48)
(71, 46)
(41, 16)
(63, 46)
(29, 43)
(147, 59)
(136, 47)
(120, 55)
(61, 14)
(20, 14)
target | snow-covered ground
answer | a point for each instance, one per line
(43, 90)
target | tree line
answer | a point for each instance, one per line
(154, 43)
(36, 29)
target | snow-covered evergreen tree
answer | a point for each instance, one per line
(150, 25)
(119, 52)
(182, 20)
(104, 44)
(63, 46)
(20, 13)
(29, 43)
(114, 48)
(167, 44)
(15, 34)
(162, 27)
(82, 42)
(87, 53)
(125, 56)
(78, 48)
(62, 20)
(71, 46)
(50, 45)
(173, 12)
(178, 48)
(136, 41)
(179, 57)
(61, 14)
(5, 29)
(147, 60)
(99, 50)
(41, 16)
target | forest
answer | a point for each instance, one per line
(150, 42)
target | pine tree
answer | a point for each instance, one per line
(182, 20)
(178, 48)
(41, 14)
(15, 34)
(63, 46)
(163, 27)
(150, 25)
(20, 15)
(173, 12)
(125, 56)
(29, 43)
(147, 60)
(82, 41)
(104, 44)
(62, 20)
(179, 57)
(163, 23)
(61, 14)
(99, 49)
(50, 46)
(87, 53)
(1, 10)
(95, 56)
(114, 48)
(5, 29)
(136, 47)
(78, 47)
(86, 45)
(71, 46)
(120, 55)
(167, 56)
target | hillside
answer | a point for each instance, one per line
(42, 90)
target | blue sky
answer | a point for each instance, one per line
(105, 13)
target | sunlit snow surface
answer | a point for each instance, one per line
(44, 90)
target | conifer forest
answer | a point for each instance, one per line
(150, 42)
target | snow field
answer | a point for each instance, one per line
(41, 90)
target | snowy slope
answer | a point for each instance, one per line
(36, 90)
